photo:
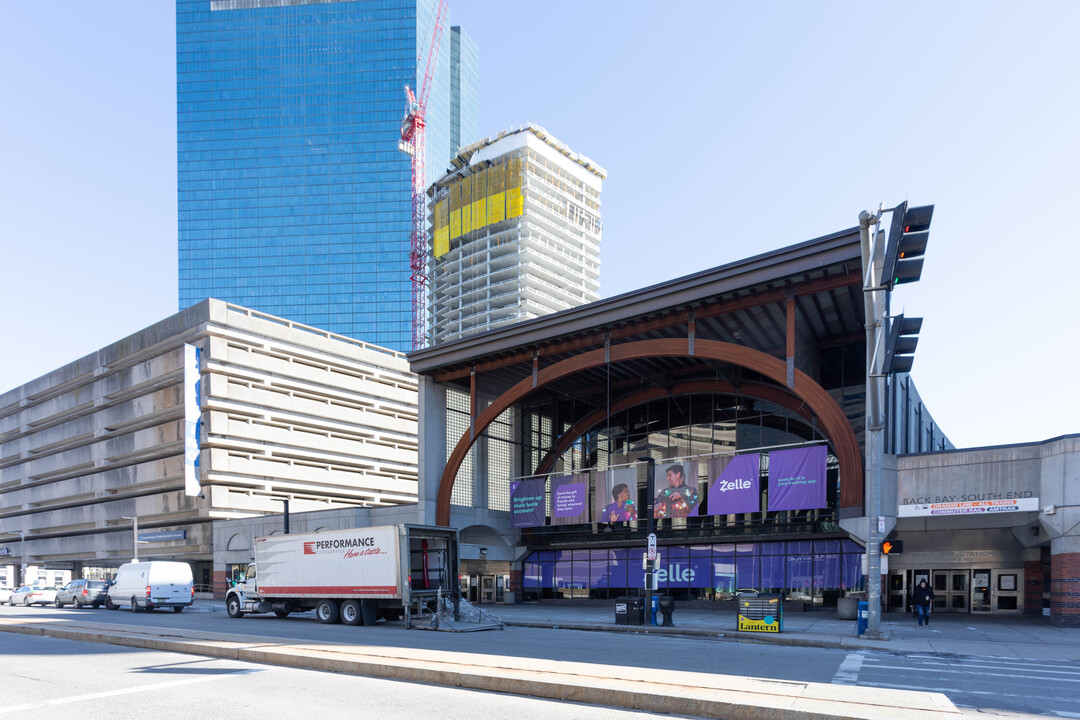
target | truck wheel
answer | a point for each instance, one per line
(109, 604)
(350, 613)
(134, 604)
(328, 612)
(178, 609)
(283, 612)
(232, 606)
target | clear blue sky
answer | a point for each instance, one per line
(727, 128)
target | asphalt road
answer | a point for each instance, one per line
(50, 677)
(1000, 686)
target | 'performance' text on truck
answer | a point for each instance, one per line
(352, 576)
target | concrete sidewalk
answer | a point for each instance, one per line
(948, 634)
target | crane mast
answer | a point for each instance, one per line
(412, 144)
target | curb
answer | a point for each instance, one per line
(708, 696)
(733, 635)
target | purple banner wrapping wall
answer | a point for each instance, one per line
(620, 506)
(676, 485)
(797, 479)
(527, 506)
(737, 489)
(570, 499)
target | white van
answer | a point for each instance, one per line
(153, 584)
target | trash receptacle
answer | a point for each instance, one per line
(635, 611)
(667, 607)
(864, 617)
(620, 611)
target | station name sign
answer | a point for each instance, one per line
(163, 536)
(971, 504)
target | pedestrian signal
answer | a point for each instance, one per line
(892, 547)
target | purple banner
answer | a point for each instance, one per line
(527, 502)
(570, 499)
(797, 479)
(677, 493)
(616, 496)
(737, 488)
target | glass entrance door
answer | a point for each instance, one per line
(487, 589)
(1007, 588)
(981, 591)
(950, 590)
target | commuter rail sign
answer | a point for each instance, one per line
(761, 613)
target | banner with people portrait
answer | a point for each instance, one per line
(527, 502)
(570, 499)
(676, 486)
(736, 484)
(797, 479)
(616, 495)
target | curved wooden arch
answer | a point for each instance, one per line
(758, 391)
(833, 421)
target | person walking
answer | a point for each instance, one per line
(922, 597)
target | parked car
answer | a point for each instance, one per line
(152, 584)
(81, 593)
(28, 596)
(5, 594)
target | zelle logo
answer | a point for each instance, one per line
(675, 573)
(726, 485)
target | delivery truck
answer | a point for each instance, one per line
(355, 576)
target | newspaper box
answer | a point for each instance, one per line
(761, 613)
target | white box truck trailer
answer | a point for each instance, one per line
(355, 576)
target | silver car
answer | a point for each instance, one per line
(28, 596)
(81, 593)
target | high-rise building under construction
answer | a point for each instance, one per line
(515, 234)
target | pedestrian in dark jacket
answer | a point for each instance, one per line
(922, 597)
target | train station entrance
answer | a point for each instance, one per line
(966, 590)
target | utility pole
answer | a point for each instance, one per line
(874, 304)
(650, 523)
(286, 501)
(890, 344)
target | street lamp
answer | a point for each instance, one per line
(134, 536)
(22, 559)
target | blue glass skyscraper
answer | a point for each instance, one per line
(293, 196)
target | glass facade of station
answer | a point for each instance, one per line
(802, 569)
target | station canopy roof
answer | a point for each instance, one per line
(744, 303)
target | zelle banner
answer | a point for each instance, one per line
(797, 481)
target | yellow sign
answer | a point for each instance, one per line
(758, 625)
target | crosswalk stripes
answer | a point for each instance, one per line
(1052, 687)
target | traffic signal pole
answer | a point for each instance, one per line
(874, 298)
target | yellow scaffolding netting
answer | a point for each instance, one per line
(486, 197)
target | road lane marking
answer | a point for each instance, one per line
(125, 691)
(848, 672)
(973, 671)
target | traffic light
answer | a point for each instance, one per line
(900, 344)
(892, 547)
(907, 244)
